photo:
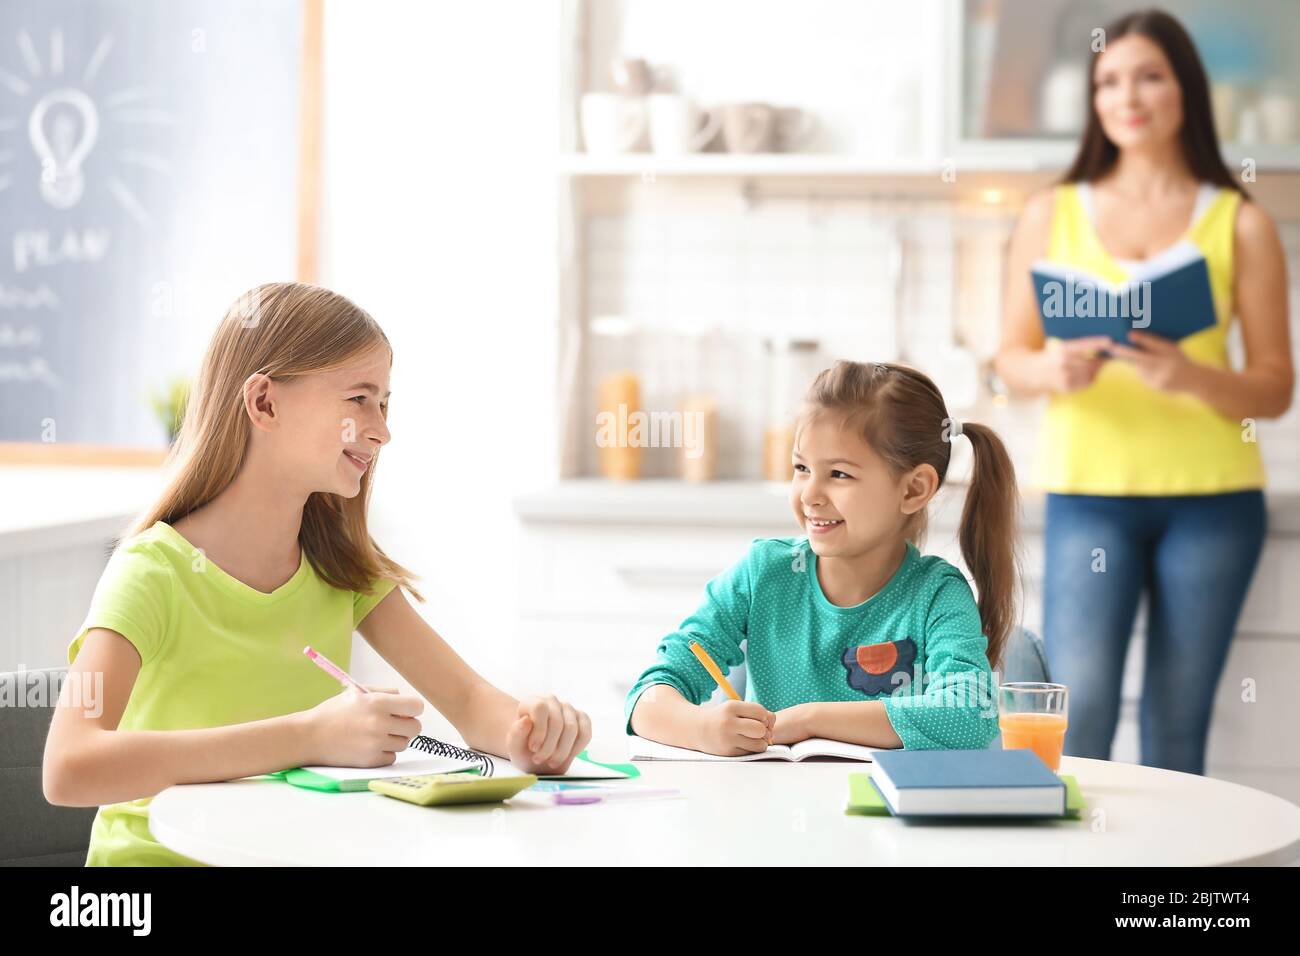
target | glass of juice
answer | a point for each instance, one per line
(1034, 716)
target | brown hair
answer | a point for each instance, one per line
(283, 330)
(1200, 142)
(902, 416)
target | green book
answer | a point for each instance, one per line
(865, 799)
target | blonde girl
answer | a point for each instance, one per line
(258, 547)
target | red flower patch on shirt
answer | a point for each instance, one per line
(879, 668)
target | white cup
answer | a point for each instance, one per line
(1278, 115)
(678, 126)
(612, 123)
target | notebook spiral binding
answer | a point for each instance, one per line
(440, 748)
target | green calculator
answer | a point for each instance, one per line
(438, 789)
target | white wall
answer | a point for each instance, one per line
(441, 126)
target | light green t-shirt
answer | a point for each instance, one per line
(916, 644)
(213, 651)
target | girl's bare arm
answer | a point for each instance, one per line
(89, 762)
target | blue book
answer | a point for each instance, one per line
(1168, 295)
(968, 783)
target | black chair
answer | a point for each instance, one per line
(34, 832)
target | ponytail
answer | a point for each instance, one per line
(988, 536)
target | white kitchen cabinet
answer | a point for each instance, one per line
(57, 529)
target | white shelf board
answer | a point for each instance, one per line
(730, 164)
(667, 501)
(1029, 156)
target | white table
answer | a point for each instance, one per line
(756, 813)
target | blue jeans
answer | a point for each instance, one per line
(1194, 556)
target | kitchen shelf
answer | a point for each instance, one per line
(1002, 157)
(1270, 157)
(673, 502)
(669, 501)
(727, 164)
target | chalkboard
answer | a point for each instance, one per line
(149, 172)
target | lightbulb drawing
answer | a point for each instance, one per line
(63, 128)
(64, 125)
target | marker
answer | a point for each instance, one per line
(329, 667)
(586, 795)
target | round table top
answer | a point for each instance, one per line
(757, 813)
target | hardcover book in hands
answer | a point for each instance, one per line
(1167, 295)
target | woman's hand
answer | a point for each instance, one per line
(1160, 363)
(793, 724)
(546, 735)
(1075, 363)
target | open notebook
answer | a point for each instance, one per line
(427, 755)
(638, 748)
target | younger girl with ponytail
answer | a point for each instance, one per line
(852, 633)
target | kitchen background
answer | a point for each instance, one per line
(552, 207)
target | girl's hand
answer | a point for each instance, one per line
(546, 735)
(1159, 362)
(352, 729)
(793, 724)
(1075, 363)
(734, 728)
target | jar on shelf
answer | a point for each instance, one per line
(618, 395)
(792, 366)
(699, 461)
(698, 457)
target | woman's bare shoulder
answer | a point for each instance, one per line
(1254, 226)
(1038, 208)
(1034, 225)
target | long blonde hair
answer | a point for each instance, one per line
(283, 330)
(902, 416)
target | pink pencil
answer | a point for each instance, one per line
(329, 667)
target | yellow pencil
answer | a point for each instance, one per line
(716, 673)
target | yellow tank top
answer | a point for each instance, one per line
(1119, 436)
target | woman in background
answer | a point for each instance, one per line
(1148, 455)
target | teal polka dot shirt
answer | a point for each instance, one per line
(916, 644)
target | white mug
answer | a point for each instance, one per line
(612, 123)
(1277, 112)
(794, 128)
(763, 128)
(675, 125)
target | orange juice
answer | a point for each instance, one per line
(1044, 734)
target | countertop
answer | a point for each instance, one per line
(52, 507)
(763, 505)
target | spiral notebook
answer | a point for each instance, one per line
(428, 755)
